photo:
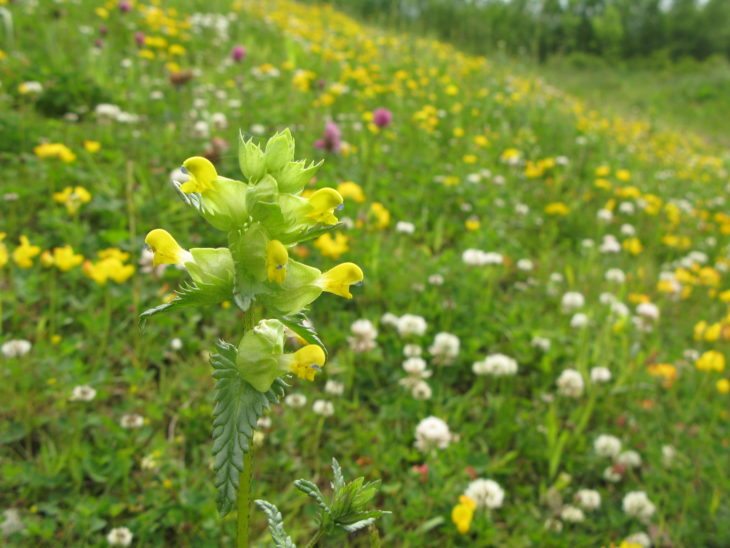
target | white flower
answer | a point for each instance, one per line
(525, 265)
(485, 493)
(628, 230)
(83, 393)
(389, 319)
(421, 390)
(258, 129)
(219, 120)
(412, 351)
(31, 88)
(612, 475)
(636, 504)
(106, 111)
(668, 455)
(405, 227)
(323, 407)
(605, 215)
(588, 499)
(477, 257)
(131, 420)
(640, 538)
(445, 348)
(119, 536)
(578, 321)
(615, 275)
(334, 388)
(572, 514)
(12, 522)
(629, 459)
(16, 348)
(522, 209)
(296, 400)
(607, 446)
(619, 309)
(410, 324)
(570, 384)
(201, 129)
(436, 279)
(497, 365)
(649, 311)
(542, 343)
(432, 433)
(263, 423)
(600, 375)
(364, 334)
(572, 300)
(416, 367)
(176, 344)
(626, 207)
(610, 244)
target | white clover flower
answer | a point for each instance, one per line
(649, 311)
(570, 384)
(605, 215)
(16, 348)
(607, 446)
(107, 112)
(416, 367)
(542, 343)
(119, 536)
(323, 407)
(579, 321)
(410, 324)
(619, 309)
(588, 499)
(405, 227)
(552, 524)
(628, 230)
(588, 243)
(525, 265)
(219, 120)
(637, 504)
(522, 209)
(615, 275)
(389, 319)
(436, 279)
(201, 129)
(639, 538)
(497, 365)
(83, 392)
(629, 459)
(11, 523)
(334, 388)
(610, 244)
(571, 301)
(669, 453)
(364, 335)
(600, 375)
(176, 344)
(131, 420)
(572, 514)
(432, 433)
(263, 423)
(150, 462)
(258, 129)
(607, 298)
(486, 493)
(612, 475)
(296, 400)
(627, 208)
(445, 348)
(421, 390)
(412, 351)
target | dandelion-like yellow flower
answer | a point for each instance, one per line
(463, 513)
(712, 360)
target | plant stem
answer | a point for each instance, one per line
(243, 502)
(315, 539)
(244, 498)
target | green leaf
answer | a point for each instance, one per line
(191, 294)
(339, 482)
(276, 525)
(238, 406)
(310, 489)
(298, 323)
(352, 527)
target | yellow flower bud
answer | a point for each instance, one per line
(339, 279)
(276, 259)
(202, 175)
(166, 249)
(308, 361)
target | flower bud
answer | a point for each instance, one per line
(279, 151)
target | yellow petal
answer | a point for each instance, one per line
(308, 361)
(166, 248)
(323, 203)
(202, 175)
(339, 279)
(277, 258)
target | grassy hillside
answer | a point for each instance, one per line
(551, 237)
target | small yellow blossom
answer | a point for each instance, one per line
(55, 150)
(72, 198)
(711, 360)
(277, 258)
(463, 513)
(381, 215)
(351, 191)
(308, 361)
(723, 386)
(62, 258)
(339, 279)
(472, 224)
(332, 247)
(633, 246)
(24, 253)
(3, 251)
(92, 146)
(557, 208)
(666, 371)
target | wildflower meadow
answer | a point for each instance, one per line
(275, 273)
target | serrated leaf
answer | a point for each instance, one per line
(339, 481)
(191, 294)
(276, 525)
(238, 406)
(310, 489)
(298, 323)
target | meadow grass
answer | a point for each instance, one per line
(489, 196)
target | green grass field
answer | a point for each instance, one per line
(545, 301)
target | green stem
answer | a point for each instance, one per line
(244, 498)
(315, 539)
(243, 502)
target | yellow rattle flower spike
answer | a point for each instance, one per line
(202, 175)
(166, 248)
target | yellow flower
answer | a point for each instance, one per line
(351, 191)
(339, 279)
(633, 246)
(276, 260)
(323, 204)
(202, 175)
(472, 224)
(3, 251)
(110, 268)
(166, 249)
(55, 150)
(469, 159)
(723, 386)
(665, 371)
(603, 171)
(623, 175)
(308, 361)
(711, 361)
(382, 215)
(113, 253)
(331, 247)
(62, 258)
(72, 198)
(24, 253)
(92, 146)
(463, 513)
(557, 208)
(176, 49)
